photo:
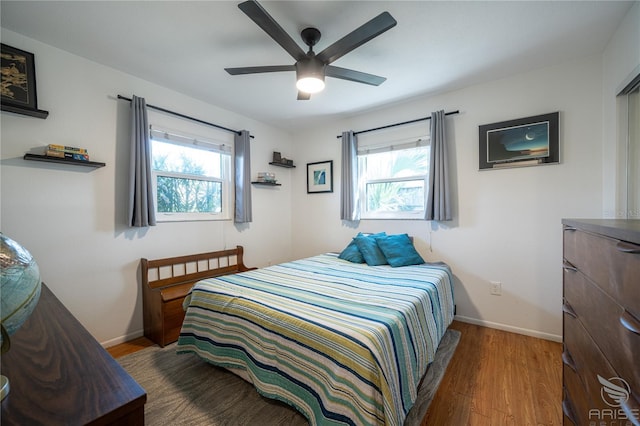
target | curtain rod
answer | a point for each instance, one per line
(186, 116)
(400, 124)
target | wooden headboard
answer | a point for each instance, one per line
(166, 282)
(161, 273)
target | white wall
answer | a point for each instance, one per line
(507, 223)
(72, 219)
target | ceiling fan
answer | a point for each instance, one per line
(310, 68)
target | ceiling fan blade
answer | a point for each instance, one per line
(302, 96)
(257, 70)
(352, 75)
(260, 16)
(357, 37)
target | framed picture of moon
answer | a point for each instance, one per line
(528, 141)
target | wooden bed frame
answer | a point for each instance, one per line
(166, 282)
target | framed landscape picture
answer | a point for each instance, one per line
(320, 177)
(528, 141)
(18, 78)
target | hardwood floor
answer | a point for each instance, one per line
(129, 347)
(499, 378)
(494, 378)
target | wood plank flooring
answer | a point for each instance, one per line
(495, 378)
(499, 378)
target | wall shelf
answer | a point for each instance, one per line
(287, 166)
(38, 113)
(266, 183)
(48, 159)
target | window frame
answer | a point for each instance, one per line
(226, 179)
(363, 183)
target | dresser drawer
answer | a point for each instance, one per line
(581, 354)
(600, 315)
(583, 357)
(576, 404)
(612, 264)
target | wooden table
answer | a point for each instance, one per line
(60, 375)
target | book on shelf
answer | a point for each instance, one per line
(65, 154)
(266, 177)
(63, 148)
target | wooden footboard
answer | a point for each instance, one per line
(166, 282)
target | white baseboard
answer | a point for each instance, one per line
(122, 339)
(512, 329)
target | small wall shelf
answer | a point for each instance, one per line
(266, 183)
(288, 166)
(45, 158)
(38, 113)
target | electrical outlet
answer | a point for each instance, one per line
(496, 288)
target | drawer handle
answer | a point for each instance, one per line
(568, 266)
(630, 322)
(568, 411)
(567, 309)
(568, 361)
(570, 228)
(628, 247)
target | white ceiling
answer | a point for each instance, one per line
(436, 46)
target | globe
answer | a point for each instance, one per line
(19, 291)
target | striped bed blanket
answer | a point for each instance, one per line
(343, 343)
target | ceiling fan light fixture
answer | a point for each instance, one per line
(310, 75)
(311, 69)
(311, 84)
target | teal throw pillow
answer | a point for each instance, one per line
(399, 250)
(368, 246)
(351, 253)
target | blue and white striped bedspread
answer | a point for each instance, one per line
(344, 343)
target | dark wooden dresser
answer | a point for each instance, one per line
(601, 322)
(60, 375)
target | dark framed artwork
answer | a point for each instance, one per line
(18, 84)
(528, 141)
(320, 177)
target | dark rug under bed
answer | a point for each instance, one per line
(185, 390)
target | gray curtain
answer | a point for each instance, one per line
(141, 208)
(349, 205)
(438, 198)
(243, 177)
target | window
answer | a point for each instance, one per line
(393, 180)
(191, 178)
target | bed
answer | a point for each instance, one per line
(342, 342)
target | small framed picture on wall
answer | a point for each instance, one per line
(19, 82)
(320, 177)
(18, 78)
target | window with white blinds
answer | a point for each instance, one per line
(192, 176)
(393, 176)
